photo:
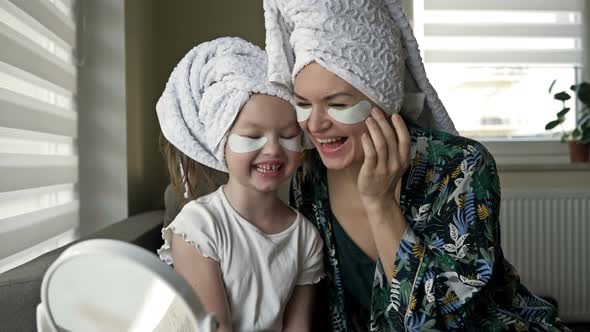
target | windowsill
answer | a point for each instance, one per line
(531, 167)
(533, 155)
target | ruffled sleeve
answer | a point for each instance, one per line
(197, 227)
(313, 266)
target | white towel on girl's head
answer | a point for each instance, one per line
(205, 93)
(368, 43)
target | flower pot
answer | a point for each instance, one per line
(578, 152)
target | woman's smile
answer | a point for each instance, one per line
(331, 146)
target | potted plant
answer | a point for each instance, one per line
(579, 138)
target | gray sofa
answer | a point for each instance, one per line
(20, 287)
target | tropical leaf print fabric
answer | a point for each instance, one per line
(450, 272)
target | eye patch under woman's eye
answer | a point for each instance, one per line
(244, 144)
(338, 106)
(292, 144)
(351, 115)
(303, 112)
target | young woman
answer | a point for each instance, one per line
(408, 212)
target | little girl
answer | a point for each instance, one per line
(251, 259)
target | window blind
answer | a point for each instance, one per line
(39, 206)
(492, 61)
(503, 31)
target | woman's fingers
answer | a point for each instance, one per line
(390, 140)
(403, 139)
(370, 153)
(388, 146)
(379, 141)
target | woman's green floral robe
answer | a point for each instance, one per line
(450, 272)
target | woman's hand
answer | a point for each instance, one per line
(387, 155)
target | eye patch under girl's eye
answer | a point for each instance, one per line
(351, 115)
(294, 144)
(303, 112)
(243, 144)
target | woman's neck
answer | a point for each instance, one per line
(263, 209)
(344, 183)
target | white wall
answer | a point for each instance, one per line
(102, 115)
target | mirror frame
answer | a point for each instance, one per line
(135, 255)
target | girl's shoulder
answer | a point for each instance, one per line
(206, 210)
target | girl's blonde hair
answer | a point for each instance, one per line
(195, 179)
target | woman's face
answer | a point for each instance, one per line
(339, 144)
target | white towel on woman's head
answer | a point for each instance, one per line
(368, 43)
(205, 93)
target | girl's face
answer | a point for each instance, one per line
(264, 145)
(339, 144)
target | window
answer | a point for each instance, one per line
(38, 128)
(492, 62)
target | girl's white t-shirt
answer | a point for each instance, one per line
(259, 270)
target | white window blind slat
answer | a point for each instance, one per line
(36, 100)
(35, 147)
(23, 82)
(29, 27)
(27, 201)
(499, 18)
(21, 171)
(536, 5)
(16, 81)
(34, 192)
(20, 112)
(23, 231)
(514, 30)
(29, 135)
(17, 141)
(36, 161)
(499, 57)
(19, 178)
(29, 56)
(61, 22)
(38, 128)
(66, 8)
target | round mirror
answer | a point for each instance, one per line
(107, 285)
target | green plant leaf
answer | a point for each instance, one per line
(552, 124)
(563, 112)
(552, 85)
(563, 96)
(576, 133)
